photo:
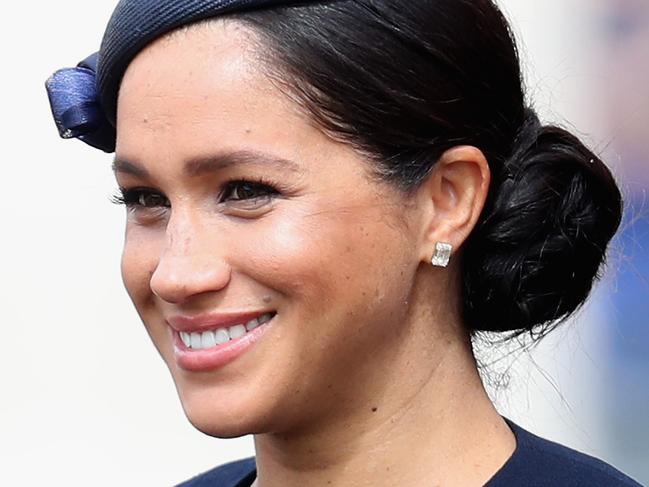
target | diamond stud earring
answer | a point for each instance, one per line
(442, 254)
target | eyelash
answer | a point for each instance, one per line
(131, 197)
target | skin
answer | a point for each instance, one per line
(367, 376)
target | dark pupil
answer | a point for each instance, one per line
(151, 200)
(245, 191)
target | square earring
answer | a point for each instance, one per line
(442, 255)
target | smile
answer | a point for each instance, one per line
(211, 338)
(206, 343)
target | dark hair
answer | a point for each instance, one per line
(405, 81)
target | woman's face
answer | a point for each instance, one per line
(238, 207)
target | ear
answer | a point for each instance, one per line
(452, 198)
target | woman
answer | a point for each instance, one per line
(326, 201)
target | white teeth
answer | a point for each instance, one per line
(196, 340)
(221, 336)
(252, 324)
(209, 339)
(237, 331)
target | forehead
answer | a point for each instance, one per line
(204, 86)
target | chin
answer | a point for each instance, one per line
(222, 414)
(218, 429)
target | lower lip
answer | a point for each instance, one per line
(218, 356)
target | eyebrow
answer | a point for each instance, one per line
(212, 163)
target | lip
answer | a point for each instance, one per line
(220, 355)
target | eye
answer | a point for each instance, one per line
(141, 198)
(248, 191)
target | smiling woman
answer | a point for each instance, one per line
(325, 201)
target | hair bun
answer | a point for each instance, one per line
(543, 235)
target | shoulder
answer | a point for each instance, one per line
(538, 462)
(235, 474)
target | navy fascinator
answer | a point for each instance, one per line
(76, 108)
(84, 98)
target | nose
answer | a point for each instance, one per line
(190, 264)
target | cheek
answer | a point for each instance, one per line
(333, 262)
(296, 254)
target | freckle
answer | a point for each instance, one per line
(248, 131)
(347, 277)
(329, 386)
(267, 299)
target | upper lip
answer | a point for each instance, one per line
(209, 321)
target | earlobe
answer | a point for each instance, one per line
(453, 195)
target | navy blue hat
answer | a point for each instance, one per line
(84, 98)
